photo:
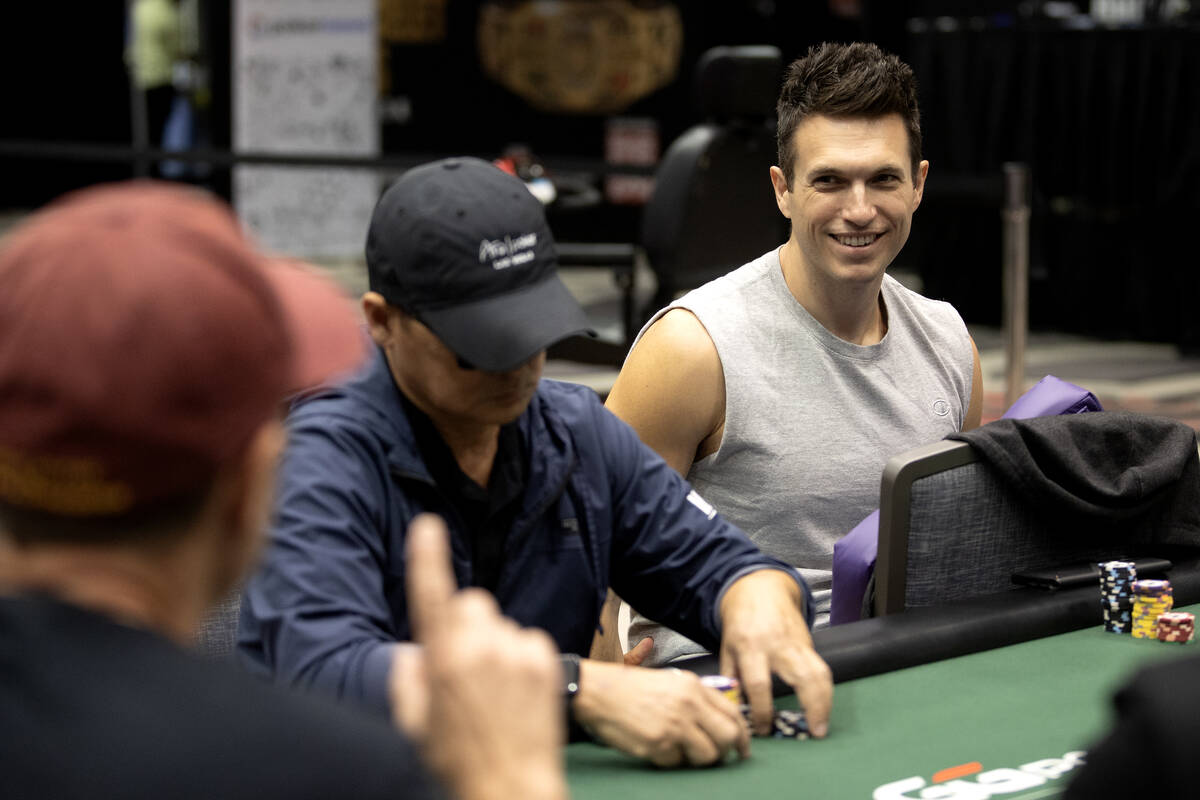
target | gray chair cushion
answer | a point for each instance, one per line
(995, 534)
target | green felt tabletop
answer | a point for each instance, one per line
(1006, 708)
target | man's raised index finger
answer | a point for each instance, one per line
(429, 577)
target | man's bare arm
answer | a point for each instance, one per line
(671, 390)
(975, 409)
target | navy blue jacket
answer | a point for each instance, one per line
(600, 508)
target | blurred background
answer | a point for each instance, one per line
(300, 111)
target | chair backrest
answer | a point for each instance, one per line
(950, 527)
(713, 208)
(854, 553)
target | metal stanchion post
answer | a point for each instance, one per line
(1015, 277)
(140, 137)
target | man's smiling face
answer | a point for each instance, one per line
(852, 195)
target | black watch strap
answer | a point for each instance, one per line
(576, 732)
(570, 667)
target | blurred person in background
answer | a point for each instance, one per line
(145, 352)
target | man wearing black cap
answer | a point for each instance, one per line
(547, 495)
(145, 348)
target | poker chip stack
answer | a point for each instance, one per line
(1176, 626)
(786, 724)
(1116, 595)
(1150, 599)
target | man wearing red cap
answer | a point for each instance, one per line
(548, 496)
(145, 349)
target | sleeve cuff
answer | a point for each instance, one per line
(715, 612)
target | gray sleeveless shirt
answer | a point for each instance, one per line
(810, 419)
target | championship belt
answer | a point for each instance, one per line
(581, 56)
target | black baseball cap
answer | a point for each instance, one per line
(465, 248)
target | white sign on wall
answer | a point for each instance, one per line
(304, 83)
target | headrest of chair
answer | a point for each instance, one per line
(740, 81)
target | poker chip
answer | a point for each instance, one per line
(786, 724)
(1117, 621)
(1150, 600)
(1116, 595)
(1175, 626)
(790, 724)
(1152, 588)
(725, 685)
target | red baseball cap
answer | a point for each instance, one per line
(143, 341)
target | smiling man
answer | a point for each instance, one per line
(781, 389)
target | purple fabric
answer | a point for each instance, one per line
(1052, 396)
(853, 562)
(854, 554)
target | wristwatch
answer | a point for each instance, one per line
(570, 667)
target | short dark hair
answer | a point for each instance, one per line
(159, 521)
(846, 80)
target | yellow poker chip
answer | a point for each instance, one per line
(725, 685)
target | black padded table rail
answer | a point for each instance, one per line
(924, 635)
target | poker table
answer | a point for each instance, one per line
(1009, 721)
